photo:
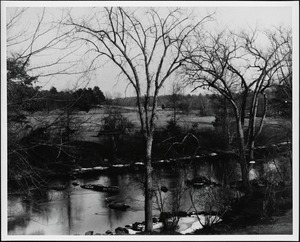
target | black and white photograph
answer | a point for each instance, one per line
(150, 120)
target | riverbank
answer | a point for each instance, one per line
(251, 214)
(281, 224)
(277, 225)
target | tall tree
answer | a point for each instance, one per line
(146, 45)
(241, 70)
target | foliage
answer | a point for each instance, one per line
(87, 98)
(173, 129)
(115, 121)
(20, 91)
(80, 99)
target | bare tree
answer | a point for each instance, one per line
(146, 45)
(239, 69)
(174, 98)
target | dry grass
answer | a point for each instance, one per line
(89, 124)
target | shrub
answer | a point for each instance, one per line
(173, 129)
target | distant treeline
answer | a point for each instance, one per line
(33, 99)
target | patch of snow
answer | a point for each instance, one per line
(158, 225)
(131, 231)
(120, 165)
(86, 169)
(253, 174)
(100, 168)
(191, 224)
(272, 166)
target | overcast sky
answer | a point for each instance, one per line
(233, 15)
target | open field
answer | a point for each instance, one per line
(89, 124)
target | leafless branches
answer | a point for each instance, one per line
(240, 67)
(146, 45)
(146, 49)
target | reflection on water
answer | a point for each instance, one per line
(77, 210)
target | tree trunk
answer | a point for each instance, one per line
(258, 131)
(251, 150)
(174, 115)
(148, 185)
(225, 123)
(243, 160)
(252, 127)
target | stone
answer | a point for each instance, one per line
(89, 233)
(164, 189)
(137, 226)
(119, 206)
(155, 220)
(121, 231)
(108, 232)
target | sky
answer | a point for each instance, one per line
(232, 15)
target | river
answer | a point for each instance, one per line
(76, 210)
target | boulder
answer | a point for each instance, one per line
(164, 189)
(110, 199)
(155, 220)
(119, 206)
(121, 231)
(137, 226)
(108, 232)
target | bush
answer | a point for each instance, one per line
(211, 139)
(173, 129)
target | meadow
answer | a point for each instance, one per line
(88, 124)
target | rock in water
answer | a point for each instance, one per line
(164, 189)
(121, 231)
(119, 206)
(137, 226)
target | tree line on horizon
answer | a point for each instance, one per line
(22, 95)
